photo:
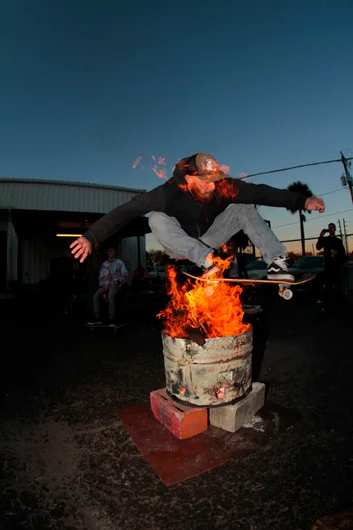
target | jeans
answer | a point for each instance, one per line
(111, 294)
(179, 245)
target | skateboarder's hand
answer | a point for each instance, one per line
(81, 247)
(314, 203)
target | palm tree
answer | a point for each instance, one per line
(300, 187)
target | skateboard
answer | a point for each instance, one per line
(284, 288)
(95, 326)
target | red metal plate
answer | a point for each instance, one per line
(175, 460)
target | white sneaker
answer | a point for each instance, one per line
(278, 270)
(212, 272)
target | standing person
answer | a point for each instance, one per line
(334, 258)
(112, 276)
(198, 210)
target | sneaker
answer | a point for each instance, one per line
(112, 323)
(278, 270)
(212, 272)
(208, 269)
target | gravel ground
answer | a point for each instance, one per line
(68, 463)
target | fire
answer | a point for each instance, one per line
(226, 188)
(224, 168)
(136, 162)
(159, 167)
(214, 307)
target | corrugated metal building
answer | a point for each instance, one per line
(33, 212)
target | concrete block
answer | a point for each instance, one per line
(231, 417)
(183, 421)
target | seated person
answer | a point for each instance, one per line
(112, 276)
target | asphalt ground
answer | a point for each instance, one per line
(68, 463)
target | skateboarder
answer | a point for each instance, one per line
(200, 208)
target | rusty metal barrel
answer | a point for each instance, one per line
(216, 373)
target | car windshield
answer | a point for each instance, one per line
(308, 263)
(256, 265)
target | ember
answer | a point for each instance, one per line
(159, 167)
(136, 162)
(215, 308)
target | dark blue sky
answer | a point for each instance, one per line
(87, 87)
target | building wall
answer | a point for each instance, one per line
(41, 195)
(36, 255)
(129, 254)
(61, 196)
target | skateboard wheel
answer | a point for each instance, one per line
(287, 294)
(209, 291)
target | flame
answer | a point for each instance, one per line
(159, 167)
(227, 189)
(161, 173)
(224, 168)
(136, 162)
(214, 307)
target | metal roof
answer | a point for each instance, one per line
(54, 195)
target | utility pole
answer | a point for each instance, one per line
(347, 175)
(339, 224)
(345, 235)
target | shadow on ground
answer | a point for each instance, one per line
(68, 463)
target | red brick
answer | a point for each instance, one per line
(183, 421)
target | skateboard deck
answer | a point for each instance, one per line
(284, 287)
(97, 326)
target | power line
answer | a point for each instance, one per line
(293, 167)
(308, 220)
(318, 195)
(328, 192)
(306, 239)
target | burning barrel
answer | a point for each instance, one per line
(216, 370)
(216, 373)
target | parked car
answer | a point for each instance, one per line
(307, 266)
(159, 272)
(257, 270)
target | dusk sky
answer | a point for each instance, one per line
(87, 87)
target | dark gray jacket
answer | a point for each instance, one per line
(194, 216)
